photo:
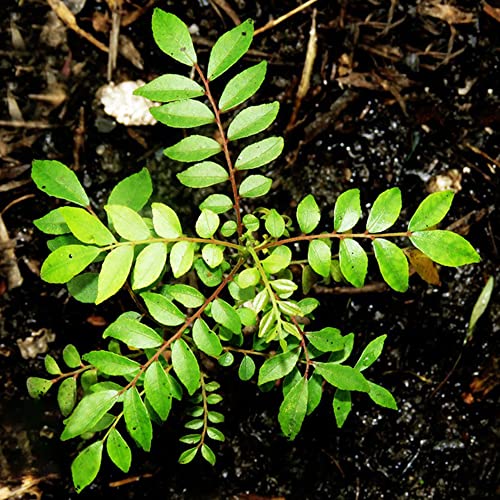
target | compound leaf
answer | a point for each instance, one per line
(229, 48)
(203, 174)
(193, 148)
(242, 86)
(308, 214)
(186, 366)
(385, 211)
(255, 186)
(137, 419)
(133, 192)
(149, 265)
(56, 179)
(114, 272)
(431, 211)
(259, 154)
(252, 120)
(118, 450)
(162, 309)
(170, 87)
(353, 262)
(347, 211)
(86, 465)
(319, 257)
(293, 409)
(392, 263)
(186, 113)
(173, 37)
(445, 248)
(66, 262)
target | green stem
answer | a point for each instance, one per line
(333, 234)
(71, 374)
(205, 410)
(246, 351)
(225, 148)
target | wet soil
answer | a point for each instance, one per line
(392, 103)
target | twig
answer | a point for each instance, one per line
(274, 22)
(346, 290)
(24, 124)
(9, 261)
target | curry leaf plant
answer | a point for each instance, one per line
(222, 289)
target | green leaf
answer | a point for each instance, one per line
(137, 419)
(392, 263)
(165, 221)
(181, 257)
(228, 228)
(190, 438)
(385, 211)
(215, 434)
(118, 450)
(157, 388)
(445, 248)
(84, 287)
(215, 417)
(162, 309)
(260, 153)
(278, 366)
(252, 120)
(207, 224)
(193, 148)
(480, 306)
(168, 88)
(71, 356)
(186, 113)
(229, 48)
(275, 224)
(66, 396)
(127, 223)
(173, 38)
(315, 390)
(209, 277)
(114, 273)
(226, 316)
(247, 368)
(52, 223)
(226, 359)
(208, 454)
(111, 363)
(319, 257)
(133, 192)
(284, 287)
(186, 295)
(327, 339)
(341, 406)
(56, 179)
(278, 260)
(86, 465)
(343, 377)
(347, 211)
(88, 413)
(213, 255)
(382, 396)
(353, 262)
(248, 277)
(51, 365)
(308, 214)
(186, 366)
(133, 333)
(149, 265)
(37, 386)
(203, 174)
(243, 86)
(205, 339)
(293, 409)
(66, 262)
(255, 186)
(218, 203)
(86, 227)
(188, 455)
(370, 353)
(431, 211)
(61, 241)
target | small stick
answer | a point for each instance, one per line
(274, 22)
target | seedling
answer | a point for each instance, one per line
(247, 307)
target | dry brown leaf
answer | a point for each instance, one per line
(423, 266)
(446, 12)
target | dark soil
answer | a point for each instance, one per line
(391, 103)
